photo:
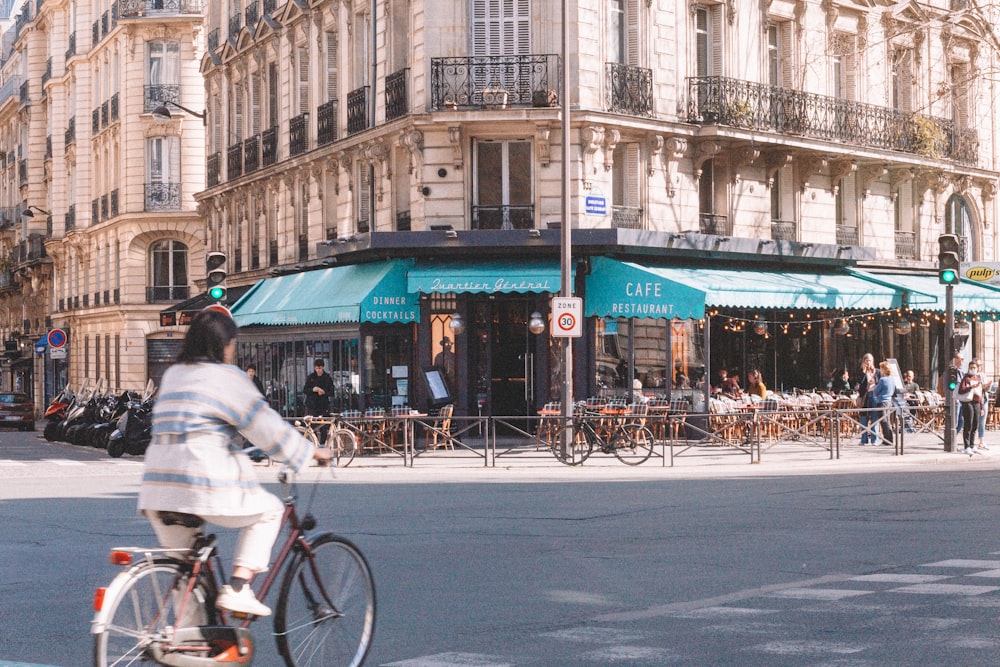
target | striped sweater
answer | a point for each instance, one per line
(195, 462)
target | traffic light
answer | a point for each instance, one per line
(949, 259)
(215, 265)
(952, 378)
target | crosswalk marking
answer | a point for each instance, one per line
(945, 589)
(452, 660)
(902, 578)
(959, 562)
(818, 593)
(64, 462)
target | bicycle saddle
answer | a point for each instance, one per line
(180, 519)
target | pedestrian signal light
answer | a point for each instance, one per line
(952, 378)
(215, 265)
(949, 259)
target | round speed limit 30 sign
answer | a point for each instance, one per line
(567, 317)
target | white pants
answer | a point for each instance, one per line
(253, 547)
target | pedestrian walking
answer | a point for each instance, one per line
(970, 398)
(882, 393)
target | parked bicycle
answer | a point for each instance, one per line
(162, 608)
(622, 433)
(339, 439)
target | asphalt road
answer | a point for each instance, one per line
(878, 565)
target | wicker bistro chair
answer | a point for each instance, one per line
(548, 424)
(659, 417)
(373, 427)
(849, 425)
(439, 434)
(397, 425)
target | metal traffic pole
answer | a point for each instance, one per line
(949, 395)
(566, 228)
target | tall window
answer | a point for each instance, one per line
(163, 190)
(625, 210)
(958, 220)
(960, 85)
(708, 40)
(902, 80)
(162, 73)
(169, 271)
(503, 183)
(616, 31)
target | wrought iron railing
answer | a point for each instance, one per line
(95, 120)
(847, 235)
(235, 24)
(234, 161)
(167, 293)
(298, 134)
(272, 253)
(212, 164)
(402, 222)
(626, 217)
(396, 102)
(163, 196)
(326, 123)
(69, 220)
(715, 224)
(630, 89)
(71, 46)
(139, 8)
(11, 87)
(213, 40)
(303, 247)
(269, 146)
(357, 110)
(472, 82)
(47, 74)
(161, 93)
(252, 14)
(251, 154)
(906, 245)
(104, 207)
(783, 230)
(114, 202)
(503, 217)
(760, 107)
(114, 108)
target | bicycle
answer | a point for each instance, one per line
(624, 435)
(162, 608)
(339, 438)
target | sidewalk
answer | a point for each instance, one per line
(921, 452)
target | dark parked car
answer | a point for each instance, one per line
(17, 410)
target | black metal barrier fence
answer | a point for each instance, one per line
(752, 432)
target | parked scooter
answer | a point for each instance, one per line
(134, 428)
(56, 413)
(83, 414)
(109, 410)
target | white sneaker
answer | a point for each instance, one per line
(967, 450)
(244, 602)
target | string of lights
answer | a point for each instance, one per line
(903, 320)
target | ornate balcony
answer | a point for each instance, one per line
(167, 293)
(234, 161)
(906, 245)
(630, 90)
(503, 217)
(269, 146)
(783, 230)
(326, 122)
(163, 196)
(298, 134)
(711, 223)
(847, 235)
(626, 217)
(212, 165)
(159, 94)
(396, 102)
(758, 107)
(473, 82)
(357, 110)
(251, 154)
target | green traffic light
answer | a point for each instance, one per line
(949, 277)
(217, 293)
(952, 386)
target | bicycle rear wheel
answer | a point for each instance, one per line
(576, 452)
(344, 445)
(633, 444)
(325, 613)
(138, 607)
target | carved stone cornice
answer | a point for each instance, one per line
(611, 139)
(808, 166)
(673, 152)
(591, 137)
(455, 139)
(412, 140)
(542, 146)
(868, 174)
(774, 161)
(739, 158)
(838, 170)
(705, 151)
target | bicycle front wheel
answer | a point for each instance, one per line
(575, 452)
(344, 445)
(326, 609)
(633, 444)
(138, 608)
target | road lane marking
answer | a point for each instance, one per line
(64, 462)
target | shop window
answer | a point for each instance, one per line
(168, 261)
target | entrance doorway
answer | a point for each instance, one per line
(504, 358)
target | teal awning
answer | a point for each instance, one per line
(624, 289)
(357, 293)
(615, 289)
(927, 293)
(513, 275)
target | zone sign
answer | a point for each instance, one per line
(567, 317)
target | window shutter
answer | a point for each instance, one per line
(331, 66)
(217, 124)
(716, 42)
(364, 198)
(702, 44)
(632, 32)
(522, 25)
(238, 112)
(632, 175)
(847, 191)
(480, 23)
(786, 49)
(272, 94)
(255, 88)
(851, 70)
(303, 63)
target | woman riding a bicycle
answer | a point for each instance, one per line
(195, 468)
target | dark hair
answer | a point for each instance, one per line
(210, 332)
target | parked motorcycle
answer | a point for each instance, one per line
(83, 413)
(134, 428)
(109, 410)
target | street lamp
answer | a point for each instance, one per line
(26, 213)
(536, 324)
(162, 112)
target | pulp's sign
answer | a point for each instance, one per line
(982, 272)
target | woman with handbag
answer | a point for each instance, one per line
(970, 398)
(866, 399)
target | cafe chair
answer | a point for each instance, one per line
(439, 433)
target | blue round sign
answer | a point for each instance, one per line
(57, 338)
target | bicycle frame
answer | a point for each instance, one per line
(176, 649)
